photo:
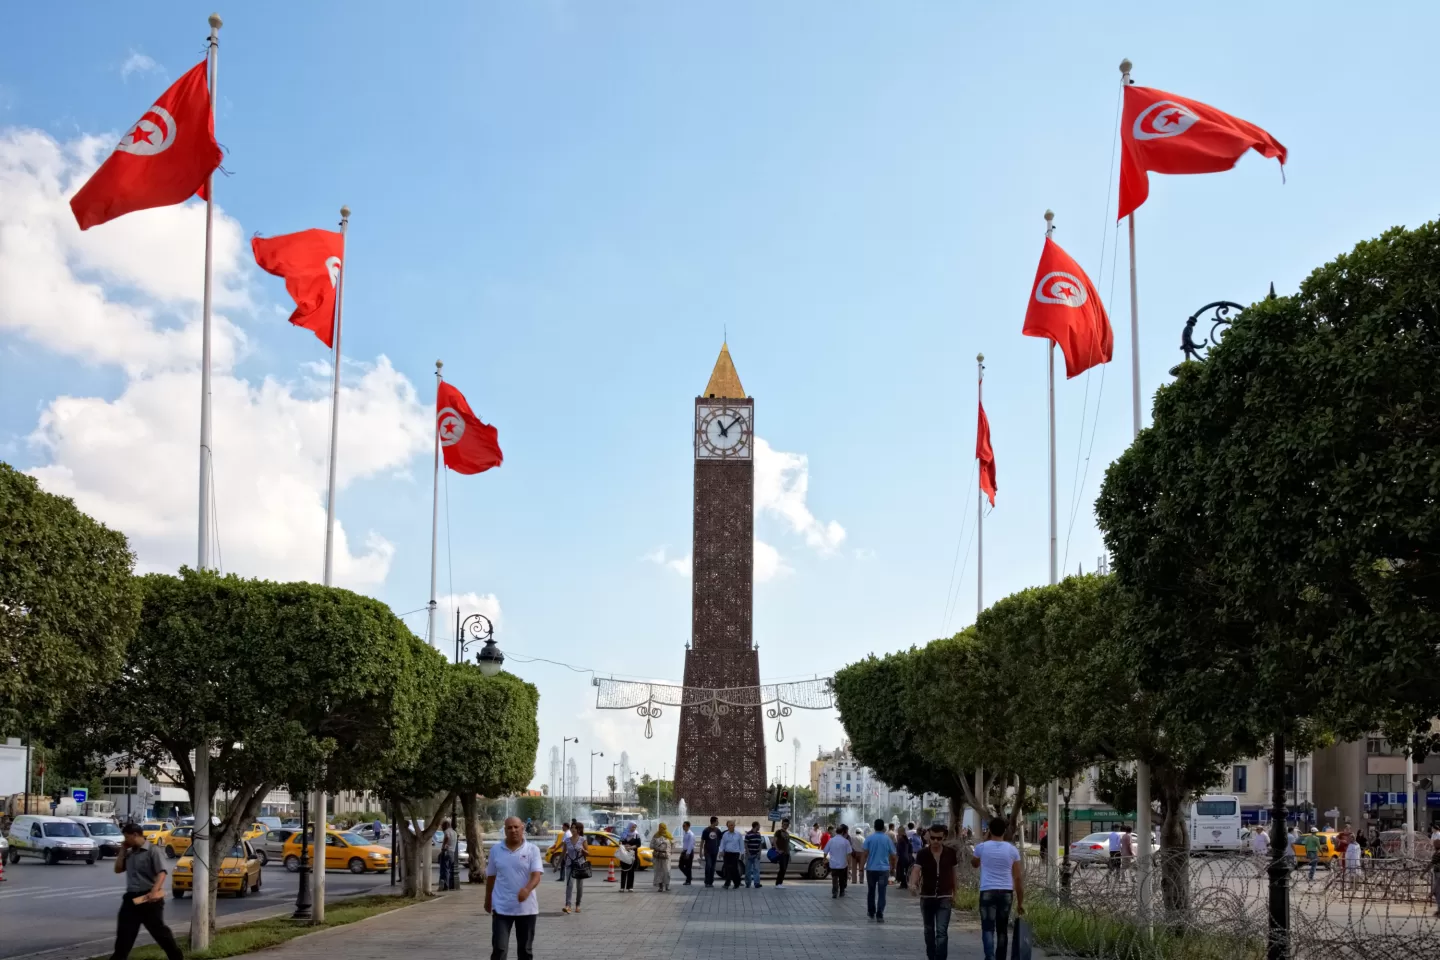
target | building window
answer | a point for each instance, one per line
(1289, 776)
(1239, 778)
(118, 786)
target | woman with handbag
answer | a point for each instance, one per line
(575, 862)
(660, 844)
(629, 857)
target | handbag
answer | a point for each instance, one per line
(1020, 940)
(580, 870)
(625, 855)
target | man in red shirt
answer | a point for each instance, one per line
(932, 879)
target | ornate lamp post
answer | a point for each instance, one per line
(593, 755)
(302, 896)
(478, 628)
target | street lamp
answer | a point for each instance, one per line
(563, 744)
(474, 629)
(593, 755)
(615, 780)
(302, 896)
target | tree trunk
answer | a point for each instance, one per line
(474, 839)
(410, 853)
(1174, 855)
(240, 814)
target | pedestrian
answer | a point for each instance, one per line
(449, 843)
(916, 842)
(1127, 849)
(933, 879)
(904, 857)
(880, 860)
(1435, 874)
(1311, 842)
(1002, 883)
(815, 835)
(1352, 862)
(710, 846)
(1115, 845)
(754, 843)
(512, 875)
(825, 836)
(630, 840)
(687, 852)
(575, 865)
(660, 843)
(144, 900)
(782, 851)
(732, 845)
(838, 850)
(857, 856)
(1044, 840)
(378, 829)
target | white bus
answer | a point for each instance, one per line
(1215, 825)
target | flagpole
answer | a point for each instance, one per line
(1053, 806)
(980, 500)
(433, 637)
(200, 912)
(1142, 769)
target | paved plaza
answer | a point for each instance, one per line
(799, 921)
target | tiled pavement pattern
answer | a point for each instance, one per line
(799, 921)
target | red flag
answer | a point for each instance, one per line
(164, 158)
(310, 263)
(470, 445)
(986, 455)
(1168, 134)
(1065, 308)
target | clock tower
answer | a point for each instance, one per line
(720, 759)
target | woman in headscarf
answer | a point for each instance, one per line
(660, 843)
(631, 839)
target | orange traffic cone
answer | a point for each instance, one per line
(611, 877)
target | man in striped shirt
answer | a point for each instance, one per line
(753, 843)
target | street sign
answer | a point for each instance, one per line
(783, 810)
(1333, 812)
(79, 794)
(774, 816)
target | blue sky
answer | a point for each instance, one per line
(571, 203)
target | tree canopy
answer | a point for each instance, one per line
(68, 602)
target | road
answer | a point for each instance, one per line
(68, 910)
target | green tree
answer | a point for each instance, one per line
(483, 741)
(68, 602)
(282, 680)
(647, 795)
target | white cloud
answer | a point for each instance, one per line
(782, 484)
(138, 63)
(126, 294)
(680, 565)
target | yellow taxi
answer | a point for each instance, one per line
(343, 851)
(175, 841)
(600, 851)
(239, 873)
(254, 832)
(152, 830)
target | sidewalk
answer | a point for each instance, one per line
(799, 921)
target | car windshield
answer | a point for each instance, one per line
(237, 851)
(104, 830)
(63, 830)
(153, 826)
(353, 839)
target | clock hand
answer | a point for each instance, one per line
(724, 430)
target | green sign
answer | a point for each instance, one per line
(1104, 813)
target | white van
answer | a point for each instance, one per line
(1215, 825)
(50, 839)
(107, 836)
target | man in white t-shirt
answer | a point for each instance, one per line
(513, 872)
(1002, 881)
(1260, 843)
(839, 850)
(1116, 840)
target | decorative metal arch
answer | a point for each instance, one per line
(1219, 317)
(778, 699)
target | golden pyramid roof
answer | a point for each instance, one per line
(724, 381)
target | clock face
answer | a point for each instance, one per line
(722, 433)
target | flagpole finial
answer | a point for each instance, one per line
(344, 213)
(438, 365)
(1125, 67)
(979, 358)
(1049, 222)
(215, 22)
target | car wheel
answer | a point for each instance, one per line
(90, 861)
(256, 888)
(178, 894)
(170, 852)
(263, 857)
(244, 890)
(50, 858)
(357, 865)
(817, 869)
(292, 863)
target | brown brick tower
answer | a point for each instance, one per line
(720, 759)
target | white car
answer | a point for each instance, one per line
(1095, 849)
(51, 839)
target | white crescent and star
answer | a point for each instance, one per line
(451, 426)
(1061, 288)
(153, 133)
(1163, 118)
(332, 264)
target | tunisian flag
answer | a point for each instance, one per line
(310, 263)
(163, 159)
(986, 455)
(470, 446)
(1065, 308)
(1168, 134)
